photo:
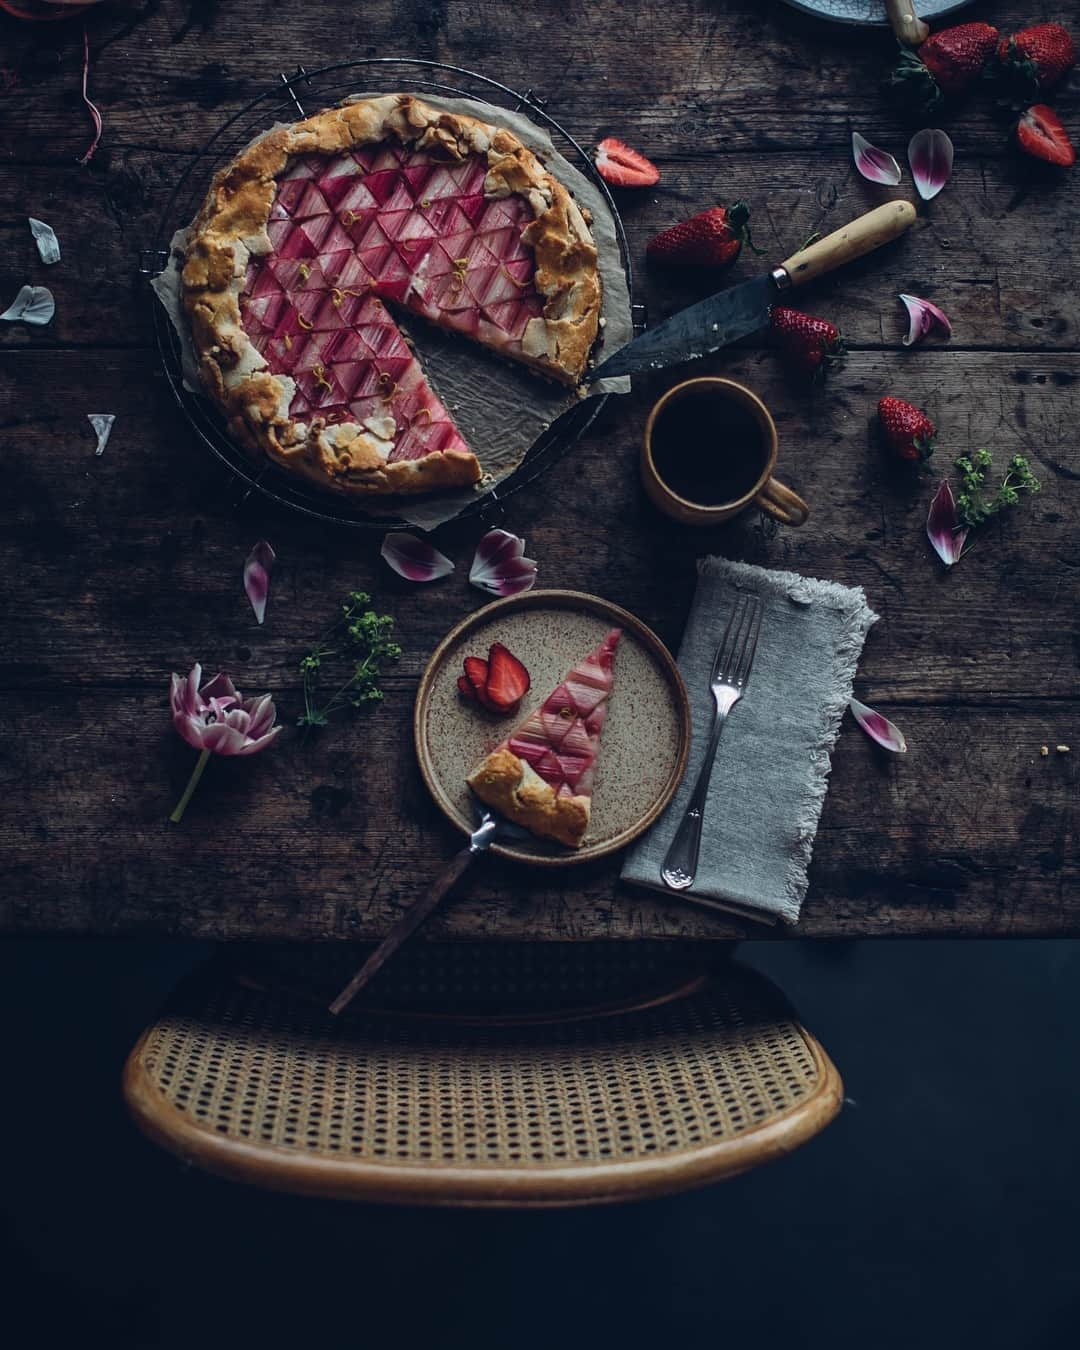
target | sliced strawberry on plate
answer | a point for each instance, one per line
(465, 689)
(1039, 133)
(476, 674)
(507, 679)
(619, 165)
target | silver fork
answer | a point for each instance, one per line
(730, 671)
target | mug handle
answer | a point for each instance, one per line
(780, 502)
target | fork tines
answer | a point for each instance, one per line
(735, 654)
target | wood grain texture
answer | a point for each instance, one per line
(119, 569)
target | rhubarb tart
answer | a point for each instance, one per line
(320, 236)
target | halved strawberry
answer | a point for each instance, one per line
(466, 690)
(476, 672)
(619, 165)
(507, 679)
(1039, 133)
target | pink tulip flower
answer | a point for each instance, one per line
(216, 719)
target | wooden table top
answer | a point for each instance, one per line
(117, 570)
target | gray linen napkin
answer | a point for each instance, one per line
(769, 779)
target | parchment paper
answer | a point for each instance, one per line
(500, 408)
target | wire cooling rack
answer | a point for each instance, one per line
(300, 95)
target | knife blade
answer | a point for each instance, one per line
(713, 323)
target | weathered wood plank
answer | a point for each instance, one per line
(972, 832)
(741, 77)
(975, 251)
(124, 566)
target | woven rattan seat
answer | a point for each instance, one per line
(704, 1078)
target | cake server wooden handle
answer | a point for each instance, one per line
(409, 922)
(862, 235)
(906, 24)
(479, 842)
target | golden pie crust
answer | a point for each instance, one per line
(231, 227)
(512, 786)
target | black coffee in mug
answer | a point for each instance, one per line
(708, 448)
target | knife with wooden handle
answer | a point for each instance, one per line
(906, 24)
(713, 323)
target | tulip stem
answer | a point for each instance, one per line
(189, 791)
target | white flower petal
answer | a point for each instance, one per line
(922, 315)
(879, 728)
(48, 246)
(930, 154)
(103, 425)
(257, 567)
(500, 566)
(33, 304)
(943, 526)
(414, 559)
(876, 165)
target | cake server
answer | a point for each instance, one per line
(489, 828)
(732, 314)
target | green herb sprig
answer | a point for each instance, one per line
(361, 636)
(973, 505)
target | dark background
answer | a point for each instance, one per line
(939, 1209)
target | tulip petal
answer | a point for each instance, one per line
(252, 747)
(414, 559)
(876, 165)
(257, 567)
(922, 315)
(943, 525)
(33, 304)
(193, 704)
(878, 728)
(500, 566)
(48, 246)
(930, 154)
(262, 713)
(223, 739)
(221, 686)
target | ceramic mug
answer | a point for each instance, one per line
(759, 487)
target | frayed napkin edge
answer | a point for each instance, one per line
(858, 619)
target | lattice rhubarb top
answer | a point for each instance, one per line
(385, 223)
(561, 738)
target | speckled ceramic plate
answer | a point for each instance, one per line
(646, 735)
(871, 11)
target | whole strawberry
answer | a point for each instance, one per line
(810, 346)
(1037, 59)
(1039, 133)
(946, 64)
(909, 433)
(712, 238)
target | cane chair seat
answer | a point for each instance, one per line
(432, 1104)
